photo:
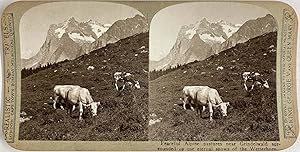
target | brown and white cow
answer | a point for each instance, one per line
(123, 79)
(255, 79)
(203, 96)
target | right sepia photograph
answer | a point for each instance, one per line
(213, 73)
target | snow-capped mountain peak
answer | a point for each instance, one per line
(80, 32)
(228, 27)
(60, 32)
(98, 28)
(203, 39)
(71, 38)
(211, 32)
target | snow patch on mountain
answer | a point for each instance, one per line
(99, 29)
(60, 32)
(190, 33)
(70, 38)
(210, 29)
(210, 37)
(229, 30)
(78, 36)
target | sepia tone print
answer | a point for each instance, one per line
(218, 80)
(88, 78)
(222, 76)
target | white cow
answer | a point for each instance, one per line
(204, 96)
(75, 95)
(60, 94)
(125, 79)
(255, 79)
(82, 97)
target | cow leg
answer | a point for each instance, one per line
(73, 108)
(184, 103)
(210, 109)
(202, 111)
(54, 104)
(198, 109)
(80, 110)
(123, 87)
(116, 86)
(190, 103)
(252, 86)
(70, 110)
(61, 106)
(245, 86)
(55, 101)
(192, 107)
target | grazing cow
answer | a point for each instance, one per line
(204, 96)
(255, 79)
(125, 79)
(82, 97)
(60, 94)
(75, 95)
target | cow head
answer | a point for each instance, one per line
(266, 84)
(94, 108)
(137, 84)
(223, 107)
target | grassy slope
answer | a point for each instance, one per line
(249, 118)
(122, 117)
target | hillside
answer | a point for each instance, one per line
(201, 40)
(71, 39)
(249, 117)
(122, 117)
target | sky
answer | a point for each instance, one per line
(36, 21)
(165, 25)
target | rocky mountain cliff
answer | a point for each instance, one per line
(203, 39)
(250, 29)
(71, 39)
(122, 29)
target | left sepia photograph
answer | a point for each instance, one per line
(84, 73)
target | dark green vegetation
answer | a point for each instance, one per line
(249, 117)
(122, 117)
(157, 73)
(27, 72)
